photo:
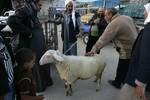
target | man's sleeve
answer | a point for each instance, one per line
(108, 35)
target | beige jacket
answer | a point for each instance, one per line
(122, 30)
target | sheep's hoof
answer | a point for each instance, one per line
(69, 94)
(95, 81)
(66, 94)
(97, 90)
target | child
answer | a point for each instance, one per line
(24, 82)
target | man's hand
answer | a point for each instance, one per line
(140, 92)
(91, 53)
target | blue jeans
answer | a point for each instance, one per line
(10, 95)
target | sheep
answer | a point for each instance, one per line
(71, 68)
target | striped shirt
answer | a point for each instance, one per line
(7, 61)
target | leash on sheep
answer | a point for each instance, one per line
(71, 46)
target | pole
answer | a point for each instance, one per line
(104, 3)
(119, 4)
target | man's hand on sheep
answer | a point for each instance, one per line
(92, 52)
(95, 49)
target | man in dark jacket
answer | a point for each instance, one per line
(26, 23)
(139, 69)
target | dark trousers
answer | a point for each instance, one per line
(92, 40)
(42, 77)
(122, 70)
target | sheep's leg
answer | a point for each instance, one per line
(67, 88)
(70, 90)
(98, 81)
(98, 84)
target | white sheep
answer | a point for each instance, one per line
(72, 68)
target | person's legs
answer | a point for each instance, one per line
(121, 72)
(42, 76)
(37, 77)
(46, 75)
(92, 40)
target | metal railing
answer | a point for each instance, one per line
(50, 32)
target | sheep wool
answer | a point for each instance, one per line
(72, 68)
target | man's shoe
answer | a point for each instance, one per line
(114, 84)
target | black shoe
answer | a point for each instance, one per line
(114, 84)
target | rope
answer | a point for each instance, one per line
(71, 46)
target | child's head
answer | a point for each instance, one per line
(25, 57)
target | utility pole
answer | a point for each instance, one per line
(119, 4)
(104, 3)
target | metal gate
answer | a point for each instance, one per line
(50, 32)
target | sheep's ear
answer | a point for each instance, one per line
(44, 60)
(59, 53)
(58, 57)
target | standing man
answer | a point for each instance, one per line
(139, 70)
(26, 23)
(71, 28)
(122, 30)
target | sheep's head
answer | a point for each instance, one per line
(51, 56)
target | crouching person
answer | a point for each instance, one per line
(6, 72)
(23, 80)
